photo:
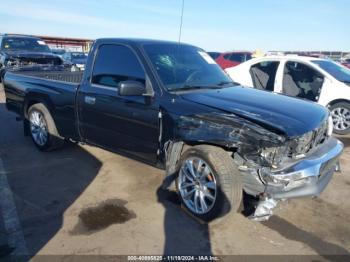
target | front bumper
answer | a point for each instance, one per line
(307, 177)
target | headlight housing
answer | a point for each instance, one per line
(300, 146)
(274, 155)
(295, 148)
(289, 181)
(12, 62)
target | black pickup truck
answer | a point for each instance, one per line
(171, 105)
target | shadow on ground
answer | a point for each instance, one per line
(183, 235)
(44, 185)
(345, 140)
(294, 233)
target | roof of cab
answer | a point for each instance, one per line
(138, 41)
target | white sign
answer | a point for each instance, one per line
(207, 57)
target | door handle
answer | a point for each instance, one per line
(90, 100)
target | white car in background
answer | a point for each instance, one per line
(319, 80)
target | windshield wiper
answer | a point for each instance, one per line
(219, 85)
(223, 83)
(191, 87)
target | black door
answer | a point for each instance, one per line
(126, 123)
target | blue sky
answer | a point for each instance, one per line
(211, 24)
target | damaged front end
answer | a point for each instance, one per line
(273, 166)
(302, 167)
(18, 62)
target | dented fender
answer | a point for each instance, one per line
(229, 131)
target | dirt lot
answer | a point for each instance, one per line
(84, 200)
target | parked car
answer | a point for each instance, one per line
(172, 106)
(19, 51)
(75, 59)
(230, 59)
(319, 80)
(214, 55)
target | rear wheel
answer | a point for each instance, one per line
(42, 128)
(208, 182)
(341, 118)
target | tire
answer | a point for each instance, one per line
(2, 74)
(40, 120)
(221, 171)
(341, 118)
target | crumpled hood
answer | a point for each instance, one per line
(25, 58)
(28, 54)
(291, 116)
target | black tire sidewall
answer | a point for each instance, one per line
(344, 105)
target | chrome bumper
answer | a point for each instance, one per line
(307, 177)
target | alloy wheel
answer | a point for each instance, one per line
(197, 185)
(341, 118)
(38, 128)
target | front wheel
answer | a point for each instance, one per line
(341, 118)
(208, 182)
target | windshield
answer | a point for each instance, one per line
(26, 44)
(183, 67)
(339, 72)
(79, 55)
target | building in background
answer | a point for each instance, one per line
(68, 44)
(334, 55)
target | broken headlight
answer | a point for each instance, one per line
(290, 181)
(302, 145)
(12, 62)
(273, 156)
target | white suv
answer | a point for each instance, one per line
(319, 80)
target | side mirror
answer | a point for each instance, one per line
(131, 88)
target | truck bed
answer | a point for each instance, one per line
(57, 88)
(63, 76)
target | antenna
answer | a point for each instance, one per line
(182, 14)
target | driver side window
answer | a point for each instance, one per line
(302, 81)
(116, 63)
